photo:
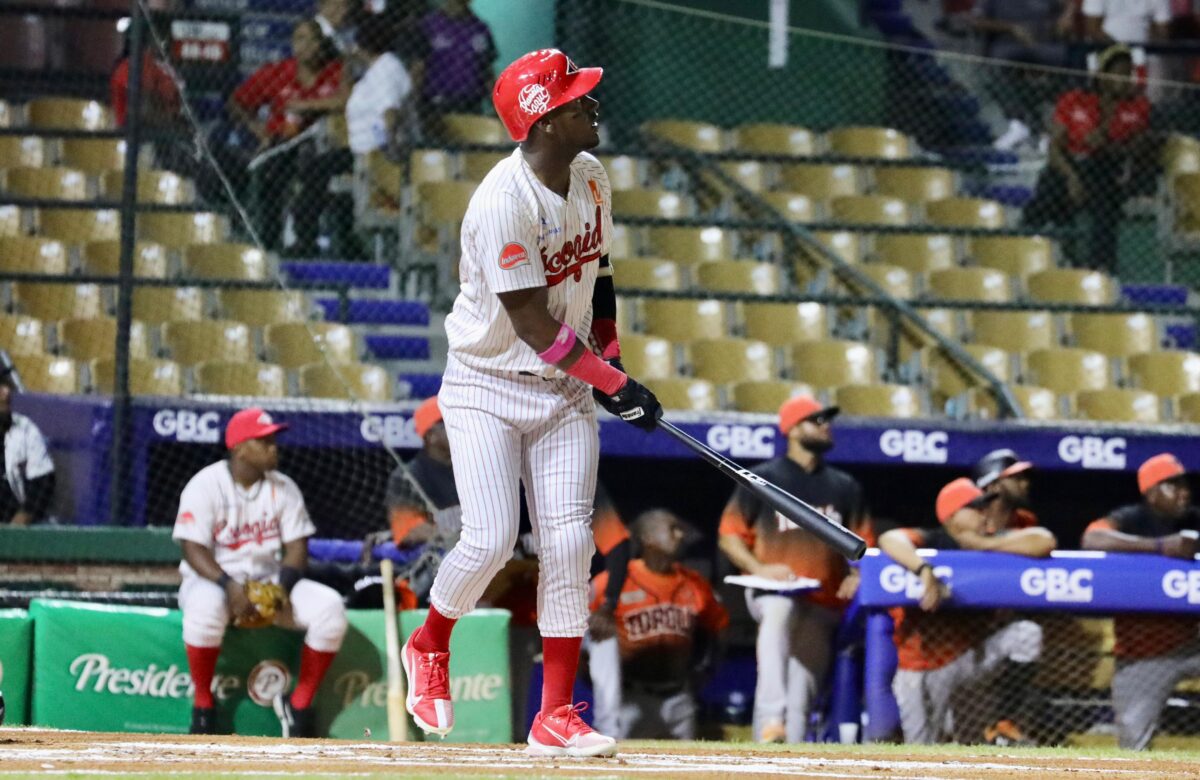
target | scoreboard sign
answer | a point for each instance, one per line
(200, 42)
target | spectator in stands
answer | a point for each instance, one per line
(411, 46)
(664, 614)
(458, 70)
(1101, 153)
(378, 110)
(426, 480)
(795, 634)
(1153, 652)
(337, 20)
(27, 490)
(160, 97)
(1003, 473)
(940, 653)
(1126, 21)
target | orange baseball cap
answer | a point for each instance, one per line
(252, 423)
(1160, 468)
(800, 408)
(959, 494)
(427, 415)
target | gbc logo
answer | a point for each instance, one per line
(1058, 585)
(742, 441)
(187, 426)
(1178, 584)
(392, 429)
(897, 579)
(1093, 452)
(915, 446)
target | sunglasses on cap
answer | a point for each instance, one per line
(820, 418)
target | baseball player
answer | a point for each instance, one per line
(244, 531)
(795, 634)
(535, 281)
(661, 608)
(1003, 473)
(1153, 652)
(27, 489)
(408, 513)
(939, 652)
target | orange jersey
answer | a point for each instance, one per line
(607, 529)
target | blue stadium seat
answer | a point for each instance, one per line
(1008, 194)
(350, 551)
(1159, 294)
(374, 276)
(1182, 335)
(422, 385)
(376, 312)
(387, 347)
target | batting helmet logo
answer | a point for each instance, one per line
(535, 85)
(534, 99)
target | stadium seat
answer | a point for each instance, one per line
(868, 142)
(819, 182)
(1115, 335)
(1180, 154)
(477, 165)
(624, 241)
(915, 184)
(691, 244)
(766, 396)
(1038, 403)
(783, 324)
(869, 210)
(624, 172)
(95, 156)
(146, 377)
(48, 374)
(58, 301)
(191, 343)
(11, 221)
(1014, 331)
(380, 185)
(177, 230)
(970, 284)
(770, 138)
(1187, 408)
(1118, 404)
(697, 136)
(965, 212)
(740, 276)
(21, 335)
(162, 187)
(647, 357)
(895, 282)
(423, 165)
(882, 401)
(918, 253)
(793, 206)
(1166, 372)
(243, 262)
(1014, 255)
(6, 114)
(94, 338)
(32, 255)
(64, 113)
(473, 129)
(944, 321)
(158, 305)
(1069, 369)
(225, 377)
(22, 152)
(79, 226)
(688, 395)
(684, 319)
(1187, 202)
(351, 381)
(1072, 285)
(444, 201)
(649, 203)
(833, 363)
(750, 174)
(731, 360)
(946, 379)
(646, 273)
(843, 243)
(264, 307)
(103, 258)
(296, 344)
(46, 183)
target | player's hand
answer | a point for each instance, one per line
(776, 571)
(849, 585)
(634, 404)
(602, 624)
(1178, 546)
(600, 397)
(933, 590)
(21, 517)
(240, 607)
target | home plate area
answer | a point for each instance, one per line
(27, 752)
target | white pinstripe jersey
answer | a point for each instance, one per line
(518, 234)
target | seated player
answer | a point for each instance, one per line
(941, 652)
(27, 486)
(411, 521)
(244, 530)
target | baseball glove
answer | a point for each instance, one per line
(268, 598)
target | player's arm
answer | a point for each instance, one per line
(604, 313)
(735, 538)
(900, 544)
(1103, 535)
(1033, 542)
(200, 557)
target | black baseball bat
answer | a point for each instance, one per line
(808, 517)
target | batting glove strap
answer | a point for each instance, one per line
(634, 404)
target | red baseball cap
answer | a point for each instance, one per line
(959, 494)
(427, 415)
(252, 423)
(799, 408)
(536, 84)
(1160, 468)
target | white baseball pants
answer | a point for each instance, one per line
(313, 608)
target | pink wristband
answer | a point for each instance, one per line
(597, 373)
(562, 345)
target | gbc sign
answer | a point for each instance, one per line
(1093, 452)
(742, 441)
(1058, 585)
(897, 579)
(186, 426)
(394, 430)
(1180, 584)
(915, 446)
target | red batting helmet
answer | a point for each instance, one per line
(536, 84)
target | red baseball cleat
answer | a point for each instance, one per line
(561, 732)
(428, 699)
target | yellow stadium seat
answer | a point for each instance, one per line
(58, 301)
(1014, 255)
(842, 243)
(1072, 285)
(179, 230)
(944, 321)
(22, 151)
(649, 203)
(473, 129)
(1118, 404)
(731, 360)
(914, 184)
(91, 339)
(11, 222)
(32, 255)
(918, 253)
(1180, 154)
(95, 156)
(103, 258)
(646, 273)
(793, 206)
(477, 165)
(1166, 372)
(6, 114)
(192, 342)
(783, 324)
(947, 379)
(624, 241)
(684, 319)
(258, 308)
(357, 381)
(965, 212)
(766, 396)
(163, 187)
(296, 344)
(243, 262)
(869, 142)
(20, 335)
(48, 374)
(158, 305)
(382, 182)
(1187, 202)
(869, 210)
(691, 244)
(895, 282)
(697, 136)
(882, 401)
(225, 377)
(64, 113)
(743, 276)
(751, 174)
(1187, 408)
(820, 182)
(1116, 335)
(47, 183)
(624, 172)
(78, 226)
(686, 395)
(647, 357)
(833, 363)
(146, 377)
(970, 284)
(1037, 403)
(1014, 331)
(1069, 369)
(770, 138)
(444, 201)
(423, 165)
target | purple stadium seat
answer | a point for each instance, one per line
(375, 276)
(386, 347)
(1159, 294)
(1181, 335)
(376, 312)
(422, 385)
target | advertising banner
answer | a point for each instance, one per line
(16, 644)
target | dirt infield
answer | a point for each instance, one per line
(26, 752)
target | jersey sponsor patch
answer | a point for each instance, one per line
(185, 518)
(513, 256)
(595, 188)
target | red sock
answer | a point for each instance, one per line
(560, 659)
(202, 662)
(313, 665)
(434, 635)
